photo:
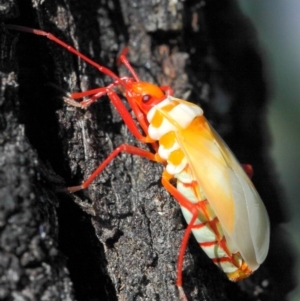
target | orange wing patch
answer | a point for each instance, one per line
(210, 169)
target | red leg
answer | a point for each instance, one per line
(248, 170)
(168, 90)
(115, 99)
(87, 102)
(98, 93)
(183, 201)
(182, 249)
(77, 95)
(112, 95)
(117, 102)
(122, 148)
(141, 117)
(126, 116)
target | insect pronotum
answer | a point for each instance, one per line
(219, 202)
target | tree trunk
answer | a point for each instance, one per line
(124, 244)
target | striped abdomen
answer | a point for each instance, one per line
(208, 231)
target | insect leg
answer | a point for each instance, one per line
(183, 201)
(112, 95)
(168, 90)
(129, 149)
(94, 94)
(126, 116)
(77, 95)
(121, 108)
(248, 170)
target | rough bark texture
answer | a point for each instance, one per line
(124, 244)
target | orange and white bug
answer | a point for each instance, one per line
(219, 202)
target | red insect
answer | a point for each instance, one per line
(219, 202)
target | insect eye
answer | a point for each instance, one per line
(146, 98)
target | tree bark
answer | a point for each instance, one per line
(124, 244)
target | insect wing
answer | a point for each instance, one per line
(229, 191)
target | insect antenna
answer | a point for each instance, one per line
(51, 37)
(122, 59)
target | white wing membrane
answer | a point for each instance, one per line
(230, 193)
(250, 215)
(251, 231)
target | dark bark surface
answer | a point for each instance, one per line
(123, 244)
